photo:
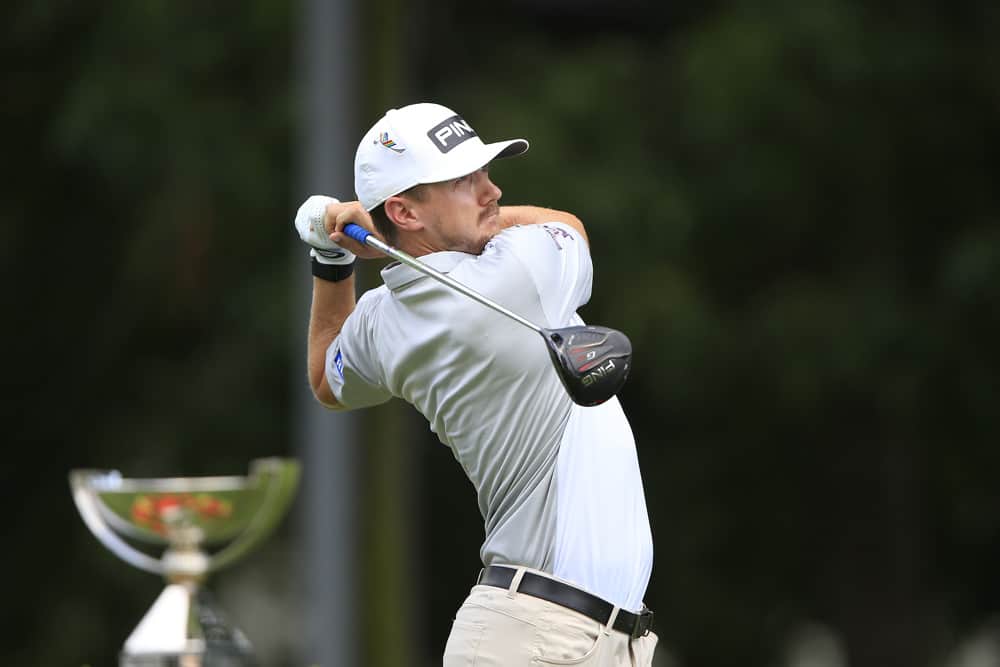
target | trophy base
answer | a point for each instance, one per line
(184, 628)
(187, 660)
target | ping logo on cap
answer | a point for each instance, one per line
(450, 133)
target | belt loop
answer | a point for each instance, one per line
(611, 621)
(479, 579)
(515, 583)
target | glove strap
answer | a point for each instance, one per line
(333, 273)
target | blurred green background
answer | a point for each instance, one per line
(794, 214)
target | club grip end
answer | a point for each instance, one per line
(357, 232)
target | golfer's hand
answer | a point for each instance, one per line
(309, 224)
(339, 215)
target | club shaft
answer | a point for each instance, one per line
(415, 263)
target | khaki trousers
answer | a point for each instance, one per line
(500, 628)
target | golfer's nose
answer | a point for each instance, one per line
(490, 191)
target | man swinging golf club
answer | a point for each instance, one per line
(568, 550)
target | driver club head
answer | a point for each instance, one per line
(592, 361)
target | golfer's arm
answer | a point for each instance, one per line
(534, 215)
(331, 304)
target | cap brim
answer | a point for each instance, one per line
(509, 148)
(478, 159)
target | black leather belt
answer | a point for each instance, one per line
(564, 595)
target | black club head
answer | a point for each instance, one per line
(592, 361)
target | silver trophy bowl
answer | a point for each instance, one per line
(198, 525)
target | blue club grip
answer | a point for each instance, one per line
(357, 232)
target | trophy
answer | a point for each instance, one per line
(186, 515)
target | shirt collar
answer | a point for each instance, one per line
(397, 275)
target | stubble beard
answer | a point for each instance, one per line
(473, 243)
(489, 225)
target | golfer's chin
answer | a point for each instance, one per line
(488, 228)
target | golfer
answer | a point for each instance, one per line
(568, 551)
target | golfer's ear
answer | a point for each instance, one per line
(401, 213)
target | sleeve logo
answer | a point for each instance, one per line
(557, 233)
(338, 362)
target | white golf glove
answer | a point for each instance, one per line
(309, 225)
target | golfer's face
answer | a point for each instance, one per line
(464, 212)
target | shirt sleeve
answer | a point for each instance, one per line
(558, 259)
(352, 366)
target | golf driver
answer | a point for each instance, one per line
(591, 361)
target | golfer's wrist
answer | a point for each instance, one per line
(333, 273)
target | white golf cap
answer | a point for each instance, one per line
(420, 143)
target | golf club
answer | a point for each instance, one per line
(592, 361)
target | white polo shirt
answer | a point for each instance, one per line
(558, 484)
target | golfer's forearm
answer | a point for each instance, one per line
(534, 215)
(331, 304)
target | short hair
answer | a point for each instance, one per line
(385, 226)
